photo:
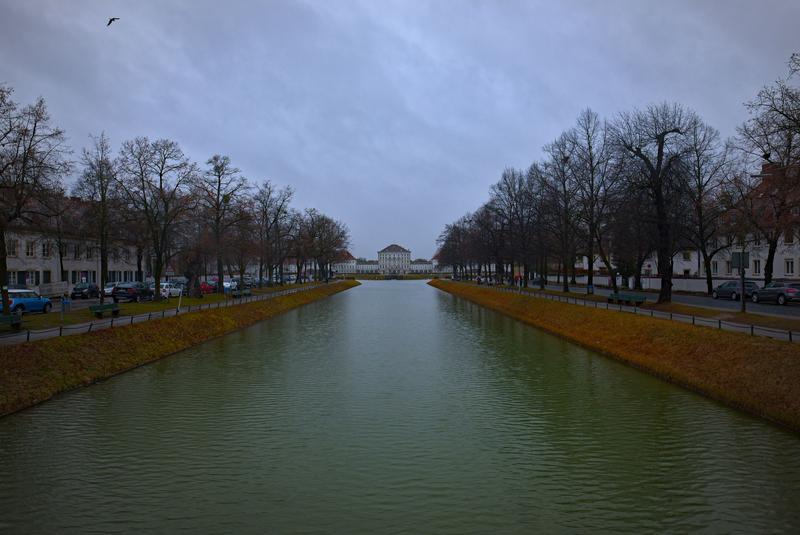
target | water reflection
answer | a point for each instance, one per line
(392, 408)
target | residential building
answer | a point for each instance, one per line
(35, 260)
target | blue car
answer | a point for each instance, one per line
(23, 301)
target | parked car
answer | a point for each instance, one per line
(208, 287)
(778, 292)
(131, 291)
(85, 290)
(163, 292)
(733, 290)
(109, 288)
(23, 301)
(169, 289)
(230, 285)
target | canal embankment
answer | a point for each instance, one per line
(34, 372)
(756, 375)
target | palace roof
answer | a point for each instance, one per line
(394, 248)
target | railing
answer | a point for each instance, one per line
(752, 330)
(29, 335)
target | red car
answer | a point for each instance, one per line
(207, 288)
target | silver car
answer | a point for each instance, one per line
(733, 290)
(778, 292)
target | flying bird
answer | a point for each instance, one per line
(112, 19)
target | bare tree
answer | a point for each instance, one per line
(707, 166)
(770, 138)
(560, 191)
(654, 138)
(155, 178)
(594, 180)
(96, 186)
(219, 188)
(32, 160)
(272, 215)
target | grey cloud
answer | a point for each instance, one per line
(392, 116)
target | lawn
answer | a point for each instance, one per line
(35, 321)
(748, 318)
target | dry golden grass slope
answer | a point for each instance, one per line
(33, 372)
(757, 375)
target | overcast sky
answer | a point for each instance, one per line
(395, 117)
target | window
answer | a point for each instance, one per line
(46, 276)
(76, 252)
(88, 253)
(757, 267)
(788, 267)
(788, 237)
(687, 255)
(728, 267)
(757, 240)
(30, 249)
(12, 247)
(686, 272)
(47, 249)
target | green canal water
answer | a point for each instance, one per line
(392, 408)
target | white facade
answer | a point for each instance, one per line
(394, 260)
(421, 266)
(345, 267)
(367, 267)
(688, 264)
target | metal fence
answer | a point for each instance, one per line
(28, 335)
(752, 330)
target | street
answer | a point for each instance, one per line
(792, 310)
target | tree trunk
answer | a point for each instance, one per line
(590, 258)
(139, 254)
(709, 276)
(543, 274)
(158, 269)
(103, 267)
(4, 273)
(768, 265)
(220, 265)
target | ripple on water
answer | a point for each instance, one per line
(392, 408)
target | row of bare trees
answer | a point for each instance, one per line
(650, 182)
(149, 194)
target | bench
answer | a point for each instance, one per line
(626, 298)
(98, 310)
(241, 293)
(14, 320)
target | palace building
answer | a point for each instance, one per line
(394, 260)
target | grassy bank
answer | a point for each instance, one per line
(33, 372)
(748, 318)
(36, 321)
(757, 375)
